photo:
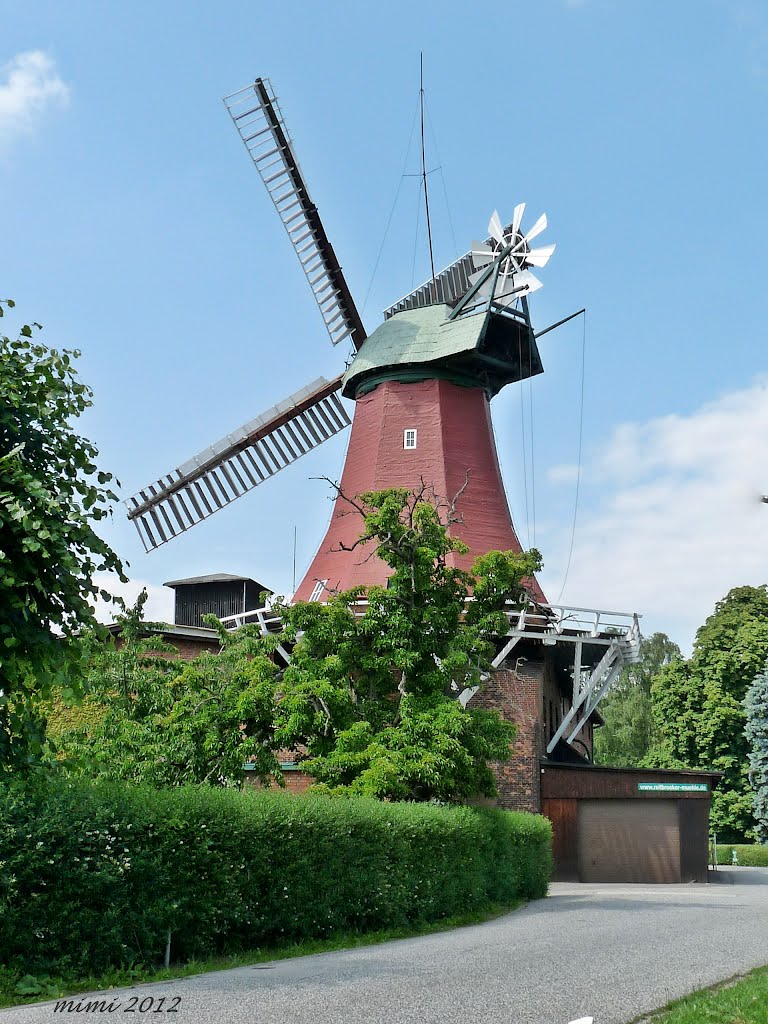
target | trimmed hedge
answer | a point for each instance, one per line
(748, 856)
(93, 876)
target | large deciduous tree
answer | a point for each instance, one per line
(756, 708)
(698, 704)
(370, 694)
(51, 495)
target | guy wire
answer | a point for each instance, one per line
(581, 436)
(403, 175)
(525, 456)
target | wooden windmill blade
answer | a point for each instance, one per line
(256, 115)
(238, 463)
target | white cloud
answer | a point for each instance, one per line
(677, 520)
(29, 85)
(566, 473)
(159, 606)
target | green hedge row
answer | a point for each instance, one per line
(92, 877)
(747, 856)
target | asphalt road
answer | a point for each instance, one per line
(611, 951)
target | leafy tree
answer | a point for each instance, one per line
(152, 717)
(51, 495)
(370, 694)
(756, 708)
(629, 730)
(698, 704)
(368, 701)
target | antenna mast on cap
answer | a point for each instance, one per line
(424, 176)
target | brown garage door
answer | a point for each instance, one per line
(629, 841)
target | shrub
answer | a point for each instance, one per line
(93, 876)
(747, 856)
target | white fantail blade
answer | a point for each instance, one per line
(495, 229)
(515, 287)
(482, 254)
(517, 217)
(485, 288)
(529, 280)
(540, 257)
(537, 228)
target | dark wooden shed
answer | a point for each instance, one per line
(627, 824)
(220, 594)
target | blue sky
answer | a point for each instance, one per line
(135, 228)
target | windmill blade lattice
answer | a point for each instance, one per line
(239, 462)
(513, 247)
(256, 115)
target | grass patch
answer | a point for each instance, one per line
(743, 1000)
(47, 988)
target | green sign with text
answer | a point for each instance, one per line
(673, 787)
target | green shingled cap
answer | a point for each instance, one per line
(486, 349)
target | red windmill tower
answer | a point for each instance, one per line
(422, 383)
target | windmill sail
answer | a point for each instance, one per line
(238, 463)
(259, 122)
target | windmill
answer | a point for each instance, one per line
(421, 382)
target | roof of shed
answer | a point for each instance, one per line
(214, 577)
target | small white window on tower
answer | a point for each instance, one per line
(317, 590)
(409, 438)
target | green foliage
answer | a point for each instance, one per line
(64, 719)
(30, 985)
(152, 717)
(370, 695)
(698, 705)
(747, 856)
(629, 731)
(368, 703)
(756, 732)
(94, 875)
(51, 495)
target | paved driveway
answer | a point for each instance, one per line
(612, 951)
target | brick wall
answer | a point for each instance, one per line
(527, 692)
(187, 647)
(517, 695)
(296, 781)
